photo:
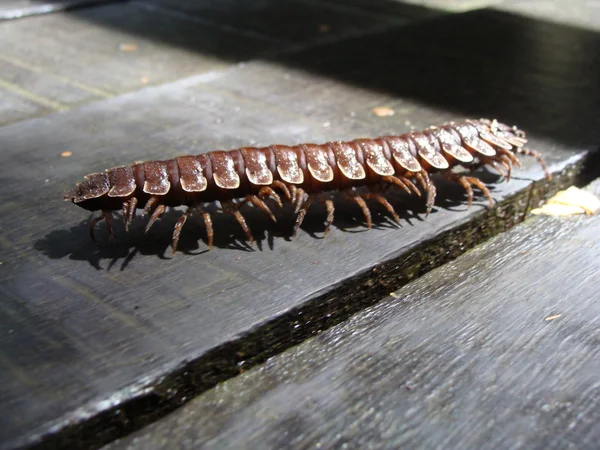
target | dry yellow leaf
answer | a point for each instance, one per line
(554, 209)
(577, 197)
(570, 202)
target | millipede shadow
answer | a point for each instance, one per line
(76, 244)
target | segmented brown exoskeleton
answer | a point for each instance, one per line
(298, 173)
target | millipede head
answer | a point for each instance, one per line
(86, 193)
(519, 133)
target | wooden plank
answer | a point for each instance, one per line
(88, 54)
(579, 13)
(415, 9)
(17, 9)
(105, 338)
(14, 107)
(478, 63)
(44, 88)
(97, 52)
(497, 349)
(296, 22)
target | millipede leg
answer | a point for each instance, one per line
(405, 184)
(500, 162)
(106, 216)
(262, 205)
(304, 205)
(431, 193)
(420, 178)
(152, 201)
(281, 185)
(506, 162)
(178, 226)
(511, 156)
(483, 188)
(365, 209)
(398, 182)
(299, 200)
(294, 194)
(495, 165)
(383, 201)
(429, 187)
(466, 183)
(242, 221)
(210, 234)
(266, 192)
(330, 210)
(231, 208)
(412, 186)
(160, 209)
(125, 211)
(451, 176)
(129, 211)
(538, 157)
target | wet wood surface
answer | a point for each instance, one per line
(101, 339)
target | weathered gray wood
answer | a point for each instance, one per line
(300, 23)
(49, 91)
(580, 13)
(15, 107)
(96, 351)
(474, 63)
(467, 357)
(63, 59)
(417, 9)
(17, 9)
(60, 60)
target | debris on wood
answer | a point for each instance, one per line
(555, 316)
(570, 202)
(124, 47)
(382, 111)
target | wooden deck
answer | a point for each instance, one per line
(497, 349)
(100, 340)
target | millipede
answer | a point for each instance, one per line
(300, 173)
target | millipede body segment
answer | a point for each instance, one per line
(300, 173)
